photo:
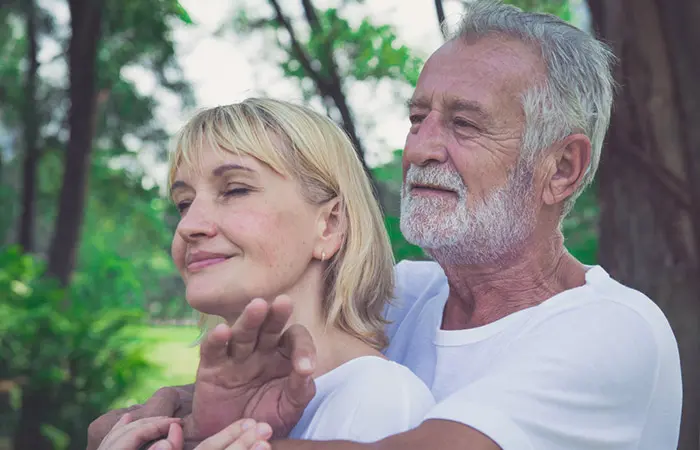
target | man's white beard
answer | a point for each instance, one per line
(451, 233)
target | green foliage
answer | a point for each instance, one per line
(79, 359)
(163, 343)
(580, 227)
(559, 8)
(366, 52)
(390, 175)
(125, 248)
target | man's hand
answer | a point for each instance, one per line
(253, 370)
(262, 372)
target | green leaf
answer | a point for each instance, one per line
(183, 15)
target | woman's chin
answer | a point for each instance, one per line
(209, 302)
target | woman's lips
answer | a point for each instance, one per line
(204, 263)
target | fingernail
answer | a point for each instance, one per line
(247, 425)
(305, 364)
(261, 446)
(263, 430)
(162, 445)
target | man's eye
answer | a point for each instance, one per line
(416, 118)
(461, 123)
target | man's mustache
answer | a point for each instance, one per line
(434, 176)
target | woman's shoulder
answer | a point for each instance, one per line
(367, 399)
(372, 379)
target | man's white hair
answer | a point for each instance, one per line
(578, 91)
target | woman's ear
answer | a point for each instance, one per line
(331, 229)
(569, 166)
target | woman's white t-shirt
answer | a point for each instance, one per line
(364, 400)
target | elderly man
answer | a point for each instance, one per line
(522, 346)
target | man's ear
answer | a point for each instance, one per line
(568, 166)
(331, 228)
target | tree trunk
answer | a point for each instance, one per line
(649, 177)
(33, 413)
(82, 67)
(31, 134)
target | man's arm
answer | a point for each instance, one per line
(429, 435)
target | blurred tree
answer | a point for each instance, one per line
(31, 131)
(86, 20)
(327, 55)
(559, 8)
(648, 178)
(86, 23)
(104, 38)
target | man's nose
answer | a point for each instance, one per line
(428, 144)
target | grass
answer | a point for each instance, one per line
(175, 359)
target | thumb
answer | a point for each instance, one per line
(297, 393)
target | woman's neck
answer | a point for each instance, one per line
(333, 345)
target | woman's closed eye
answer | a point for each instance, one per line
(237, 191)
(183, 205)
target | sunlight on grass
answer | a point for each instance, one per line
(175, 357)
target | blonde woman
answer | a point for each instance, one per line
(275, 202)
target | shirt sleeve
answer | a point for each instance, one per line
(581, 380)
(376, 404)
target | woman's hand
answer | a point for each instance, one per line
(128, 435)
(244, 434)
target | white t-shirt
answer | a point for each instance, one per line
(364, 400)
(592, 368)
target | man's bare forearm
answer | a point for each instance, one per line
(321, 445)
(429, 435)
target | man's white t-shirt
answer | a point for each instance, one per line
(364, 400)
(592, 368)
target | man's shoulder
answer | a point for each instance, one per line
(617, 299)
(603, 319)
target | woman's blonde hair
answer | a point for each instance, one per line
(317, 153)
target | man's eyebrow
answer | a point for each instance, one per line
(422, 103)
(460, 105)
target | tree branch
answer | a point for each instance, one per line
(441, 17)
(333, 86)
(311, 15)
(304, 59)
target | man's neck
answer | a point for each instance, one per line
(482, 294)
